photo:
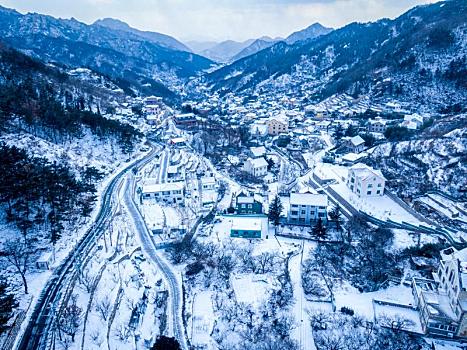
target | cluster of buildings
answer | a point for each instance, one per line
(301, 209)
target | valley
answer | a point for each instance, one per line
(298, 192)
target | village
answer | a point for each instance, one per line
(310, 159)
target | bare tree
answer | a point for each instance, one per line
(264, 262)
(96, 338)
(18, 253)
(70, 318)
(87, 279)
(103, 307)
(122, 332)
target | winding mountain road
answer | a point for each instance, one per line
(149, 247)
(38, 334)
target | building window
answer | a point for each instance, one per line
(294, 212)
(380, 185)
(303, 212)
(368, 193)
(378, 192)
(370, 185)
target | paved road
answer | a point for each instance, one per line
(38, 333)
(164, 163)
(149, 246)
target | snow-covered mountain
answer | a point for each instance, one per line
(120, 54)
(254, 47)
(311, 32)
(157, 38)
(415, 56)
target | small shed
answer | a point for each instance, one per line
(45, 261)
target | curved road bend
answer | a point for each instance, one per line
(149, 246)
(39, 329)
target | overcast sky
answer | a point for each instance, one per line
(220, 19)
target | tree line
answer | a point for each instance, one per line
(58, 115)
(37, 194)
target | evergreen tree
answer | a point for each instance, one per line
(275, 210)
(319, 230)
(7, 304)
(336, 215)
(351, 131)
(166, 343)
(339, 132)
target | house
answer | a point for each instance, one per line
(153, 100)
(442, 302)
(171, 192)
(258, 152)
(365, 181)
(187, 119)
(178, 142)
(257, 167)
(354, 144)
(277, 125)
(208, 183)
(307, 208)
(247, 204)
(377, 125)
(247, 227)
(412, 121)
(323, 125)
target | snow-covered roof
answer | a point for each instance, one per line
(357, 140)
(170, 186)
(363, 171)
(245, 200)
(258, 151)
(177, 140)
(247, 223)
(377, 121)
(208, 180)
(258, 162)
(310, 199)
(280, 118)
(352, 157)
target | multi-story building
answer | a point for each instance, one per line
(170, 192)
(277, 125)
(307, 208)
(442, 302)
(377, 125)
(257, 167)
(365, 181)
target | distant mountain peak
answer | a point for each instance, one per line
(313, 31)
(112, 23)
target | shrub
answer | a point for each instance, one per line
(347, 311)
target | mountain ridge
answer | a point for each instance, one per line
(158, 38)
